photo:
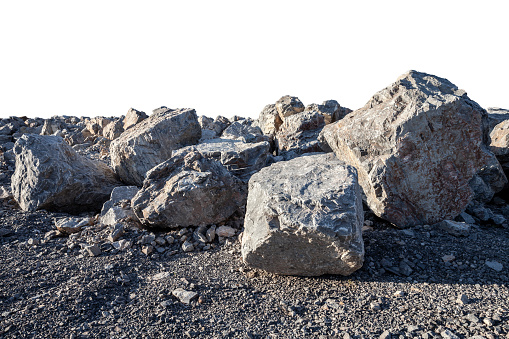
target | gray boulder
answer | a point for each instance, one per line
(304, 217)
(150, 142)
(299, 133)
(330, 109)
(416, 145)
(245, 130)
(188, 190)
(241, 159)
(288, 105)
(133, 117)
(51, 175)
(114, 129)
(269, 120)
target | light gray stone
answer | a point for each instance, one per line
(183, 295)
(113, 130)
(244, 130)
(118, 194)
(495, 265)
(188, 190)
(133, 117)
(269, 120)
(304, 217)
(72, 225)
(456, 228)
(51, 175)
(288, 105)
(150, 142)
(416, 144)
(241, 159)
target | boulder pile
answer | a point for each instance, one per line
(292, 183)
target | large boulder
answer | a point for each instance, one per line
(150, 142)
(245, 130)
(241, 159)
(288, 105)
(416, 144)
(298, 134)
(188, 190)
(51, 175)
(304, 217)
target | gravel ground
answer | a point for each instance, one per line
(414, 283)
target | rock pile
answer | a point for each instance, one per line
(418, 153)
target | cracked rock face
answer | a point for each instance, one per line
(416, 145)
(51, 175)
(151, 141)
(304, 217)
(188, 190)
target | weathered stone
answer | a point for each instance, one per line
(119, 194)
(96, 125)
(299, 133)
(183, 295)
(225, 231)
(151, 142)
(304, 217)
(211, 233)
(72, 225)
(456, 228)
(116, 214)
(330, 109)
(241, 159)
(113, 130)
(93, 250)
(288, 105)
(416, 144)
(51, 175)
(133, 117)
(244, 130)
(496, 115)
(116, 233)
(188, 190)
(269, 120)
(212, 128)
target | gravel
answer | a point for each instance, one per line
(58, 286)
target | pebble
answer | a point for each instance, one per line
(495, 265)
(448, 257)
(183, 295)
(116, 233)
(187, 246)
(375, 306)
(225, 231)
(472, 318)
(147, 250)
(33, 241)
(147, 239)
(399, 294)
(447, 334)
(211, 233)
(385, 335)
(462, 299)
(93, 250)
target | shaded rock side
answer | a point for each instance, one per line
(241, 159)
(416, 144)
(188, 190)
(304, 217)
(51, 175)
(150, 142)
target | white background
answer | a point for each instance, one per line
(234, 57)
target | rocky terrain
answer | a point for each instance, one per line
(390, 221)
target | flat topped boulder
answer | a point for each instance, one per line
(151, 141)
(416, 144)
(304, 217)
(240, 158)
(51, 175)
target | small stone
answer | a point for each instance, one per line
(495, 265)
(160, 241)
(399, 294)
(456, 228)
(201, 237)
(375, 306)
(472, 318)
(169, 239)
(184, 296)
(93, 250)
(385, 335)
(147, 239)
(498, 219)
(187, 246)
(448, 257)
(71, 225)
(121, 245)
(166, 303)
(33, 241)
(462, 299)
(211, 233)
(412, 328)
(488, 321)
(116, 233)
(182, 232)
(160, 276)
(147, 250)
(447, 334)
(225, 231)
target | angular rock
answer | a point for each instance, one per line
(416, 144)
(93, 250)
(244, 130)
(133, 117)
(151, 142)
(490, 179)
(241, 159)
(269, 120)
(183, 295)
(299, 133)
(113, 130)
(330, 109)
(496, 115)
(304, 217)
(225, 231)
(96, 125)
(51, 175)
(288, 105)
(212, 128)
(188, 190)
(72, 225)
(116, 233)
(456, 228)
(117, 195)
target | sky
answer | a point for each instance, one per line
(89, 58)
